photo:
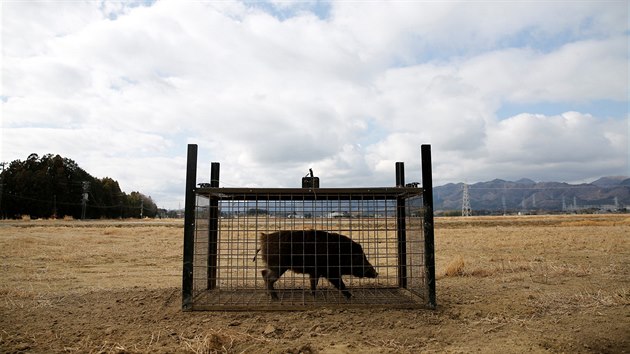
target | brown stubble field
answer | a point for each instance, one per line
(505, 284)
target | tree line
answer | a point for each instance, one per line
(55, 187)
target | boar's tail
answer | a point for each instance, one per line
(255, 255)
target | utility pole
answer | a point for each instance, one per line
(86, 187)
(141, 207)
(2, 164)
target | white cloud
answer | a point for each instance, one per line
(121, 88)
(569, 137)
(403, 30)
(578, 71)
(28, 26)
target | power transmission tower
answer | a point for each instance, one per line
(564, 204)
(616, 203)
(466, 209)
(503, 199)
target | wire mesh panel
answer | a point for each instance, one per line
(297, 248)
(229, 268)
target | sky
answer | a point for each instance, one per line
(500, 89)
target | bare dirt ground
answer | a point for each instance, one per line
(505, 284)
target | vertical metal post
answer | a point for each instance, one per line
(215, 167)
(213, 227)
(401, 229)
(189, 227)
(400, 174)
(2, 164)
(429, 249)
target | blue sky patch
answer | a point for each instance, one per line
(291, 9)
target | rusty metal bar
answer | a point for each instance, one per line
(213, 227)
(189, 227)
(427, 200)
(376, 193)
(401, 227)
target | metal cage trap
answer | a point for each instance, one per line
(224, 268)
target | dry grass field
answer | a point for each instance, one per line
(505, 284)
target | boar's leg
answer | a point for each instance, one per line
(314, 281)
(339, 284)
(271, 276)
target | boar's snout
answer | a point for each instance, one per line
(366, 269)
(370, 272)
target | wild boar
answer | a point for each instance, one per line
(316, 253)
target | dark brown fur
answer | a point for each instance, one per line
(316, 253)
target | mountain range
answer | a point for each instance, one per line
(525, 195)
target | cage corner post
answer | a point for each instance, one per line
(213, 228)
(189, 227)
(429, 248)
(401, 227)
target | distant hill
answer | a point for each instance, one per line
(526, 195)
(607, 182)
